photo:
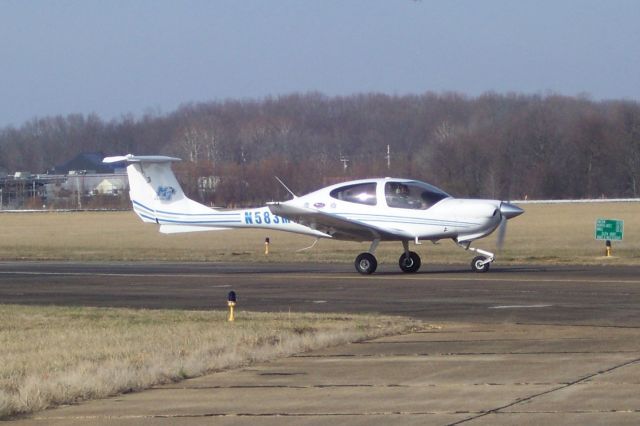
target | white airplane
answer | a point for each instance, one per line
(375, 210)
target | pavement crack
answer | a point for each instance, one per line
(432, 354)
(257, 415)
(524, 340)
(320, 386)
(547, 392)
(325, 414)
(571, 411)
(632, 327)
(534, 353)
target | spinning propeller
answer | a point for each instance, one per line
(507, 211)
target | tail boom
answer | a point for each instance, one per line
(157, 197)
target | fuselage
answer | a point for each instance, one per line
(408, 209)
(393, 209)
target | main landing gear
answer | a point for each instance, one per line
(409, 260)
(366, 263)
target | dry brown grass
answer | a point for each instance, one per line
(565, 233)
(562, 233)
(53, 355)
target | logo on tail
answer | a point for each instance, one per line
(165, 193)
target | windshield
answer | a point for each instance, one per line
(412, 195)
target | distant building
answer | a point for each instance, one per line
(87, 177)
(82, 182)
(88, 163)
(22, 188)
(111, 186)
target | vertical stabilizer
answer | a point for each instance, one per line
(154, 189)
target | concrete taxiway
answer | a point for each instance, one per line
(518, 345)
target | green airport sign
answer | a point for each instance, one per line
(609, 229)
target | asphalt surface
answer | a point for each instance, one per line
(547, 294)
(517, 345)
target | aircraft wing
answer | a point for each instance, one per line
(178, 229)
(335, 225)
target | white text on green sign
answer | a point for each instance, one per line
(609, 229)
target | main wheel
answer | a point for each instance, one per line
(366, 263)
(409, 264)
(478, 265)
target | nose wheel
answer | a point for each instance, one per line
(480, 264)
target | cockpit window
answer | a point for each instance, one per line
(361, 193)
(412, 195)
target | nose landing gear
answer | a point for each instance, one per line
(479, 263)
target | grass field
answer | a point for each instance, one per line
(546, 233)
(53, 355)
(50, 356)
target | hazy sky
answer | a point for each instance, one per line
(118, 57)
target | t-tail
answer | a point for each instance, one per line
(157, 197)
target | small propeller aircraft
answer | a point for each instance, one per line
(384, 209)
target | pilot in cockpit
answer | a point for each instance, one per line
(402, 191)
(401, 195)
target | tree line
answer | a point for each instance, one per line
(507, 146)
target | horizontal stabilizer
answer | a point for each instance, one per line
(130, 158)
(178, 229)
